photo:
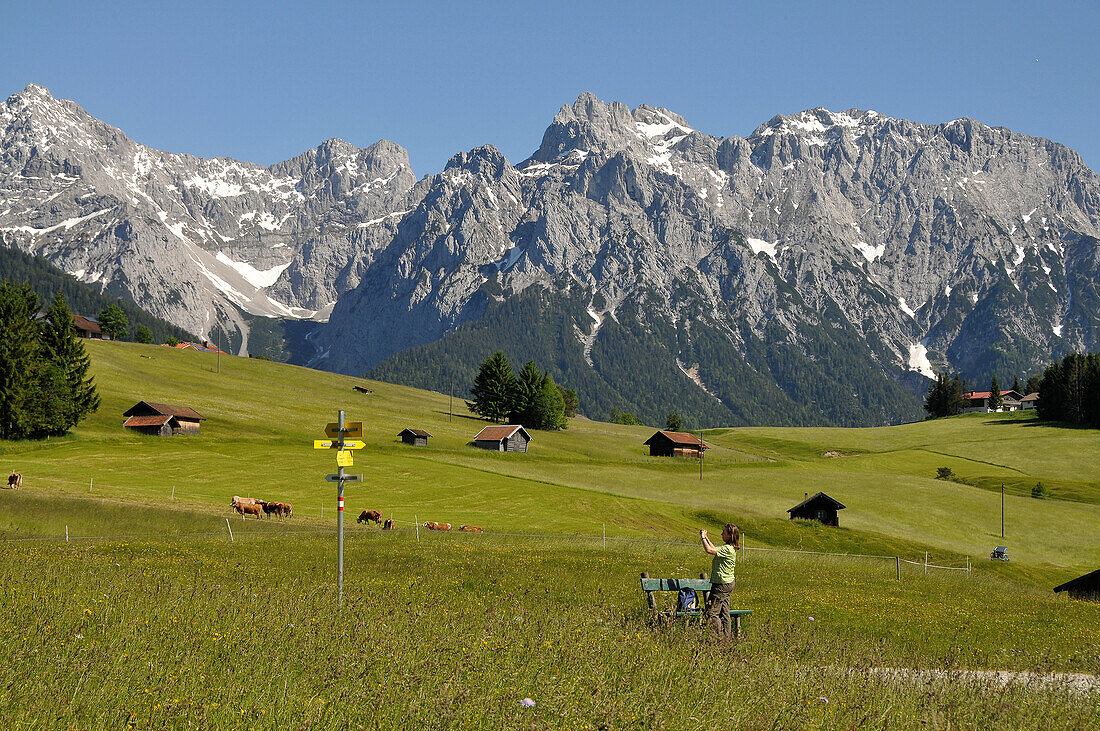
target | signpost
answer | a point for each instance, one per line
(338, 434)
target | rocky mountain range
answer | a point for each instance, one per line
(812, 272)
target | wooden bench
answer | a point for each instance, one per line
(702, 585)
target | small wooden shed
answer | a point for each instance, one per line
(820, 507)
(675, 444)
(1085, 587)
(162, 419)
(415, 437)
(510, 438)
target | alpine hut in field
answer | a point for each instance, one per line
(675, 444)
(163, 420)
(510, 438)
(1083, 587)
(415, 437)
(820, 507)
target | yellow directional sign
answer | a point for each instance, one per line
(343, 459)
(351, 429)
(335, 444)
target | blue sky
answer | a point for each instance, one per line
(265, 81)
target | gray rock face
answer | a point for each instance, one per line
(189, 238)
(954, 245)
(922, 246)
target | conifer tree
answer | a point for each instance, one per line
(63, 348)
(143, 334)
(494, 388)
(996, 400)
(19, 349)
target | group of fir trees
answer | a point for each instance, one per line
(45, 388)
(531, 398)
(1070, 390)
(946, 396)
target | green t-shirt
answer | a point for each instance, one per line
(721, 568)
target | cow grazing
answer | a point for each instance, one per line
(237, 500)
(370, 515)
(470, 529)
(432, 525)
(390, 524)
(287, 509)
(271, 508)
(15, 479)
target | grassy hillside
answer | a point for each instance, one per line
(262, 418)
(156, 618)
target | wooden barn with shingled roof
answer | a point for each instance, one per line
(415, 437)
(675, 444)
(509, 438)
(163, 420)
(819, 507)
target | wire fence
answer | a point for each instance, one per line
(285, 530)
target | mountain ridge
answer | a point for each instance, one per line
(908, 247)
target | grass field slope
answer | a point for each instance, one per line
(150, 615)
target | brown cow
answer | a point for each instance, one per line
(287, 510)
(271, 508)
(432, 525)
(15, 479)
(390, 524)
(370, 515)
(249, 509)
(470, 529)
(237, 500)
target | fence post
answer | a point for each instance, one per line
(173, 492)
(416, 520)
(90, 481)
(605, 537)
(66, 533)
(926, 563)
(322, 510)
(744, 544)
(231, 539)
(898, 559)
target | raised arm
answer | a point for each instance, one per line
(707, 545)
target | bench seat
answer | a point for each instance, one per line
(650, 585)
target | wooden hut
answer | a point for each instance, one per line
(415, 437)
(162, 419)
(820, 507)
(1085, 587)
(510, 438)
(675, 444)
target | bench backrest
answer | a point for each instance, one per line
(675, 584)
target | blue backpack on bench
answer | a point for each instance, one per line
(685, 600)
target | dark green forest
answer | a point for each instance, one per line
(634, 369)
(47, 280)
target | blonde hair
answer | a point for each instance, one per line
(735, 535)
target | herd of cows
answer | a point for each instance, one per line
(260, 508)
(375, 516)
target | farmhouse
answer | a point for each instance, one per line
(1029, 401)
(415, 437)
(1083, 587)
(86, 327)
(675, 444)
(163, 420)
(820, 507)
(978, 401)
(510, 438)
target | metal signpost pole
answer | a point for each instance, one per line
(340, 518)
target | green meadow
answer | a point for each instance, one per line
(152, 616)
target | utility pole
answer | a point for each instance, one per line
(450, 400)
(1002, 510)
